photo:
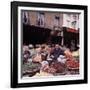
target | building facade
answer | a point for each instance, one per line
(51, 21)
(63, 27)
(71, 29)
(71, 20)
(48, 20)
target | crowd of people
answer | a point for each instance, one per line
(46, 55)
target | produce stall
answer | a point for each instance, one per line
(46, 64)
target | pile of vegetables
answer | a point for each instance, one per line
(30, 68)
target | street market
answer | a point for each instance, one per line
(46, 60)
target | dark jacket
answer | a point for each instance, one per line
(57, 52)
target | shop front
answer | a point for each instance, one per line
(71, 38)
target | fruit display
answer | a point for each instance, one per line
(48, 60)
(72, 64)
(57, 67)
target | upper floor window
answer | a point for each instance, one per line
(57, 21)
(40, 19)
(75, 16)
(25, 17)
(74, 24)
(68, 23)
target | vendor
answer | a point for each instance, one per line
(57, 51)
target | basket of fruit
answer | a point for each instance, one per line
(72, 64)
